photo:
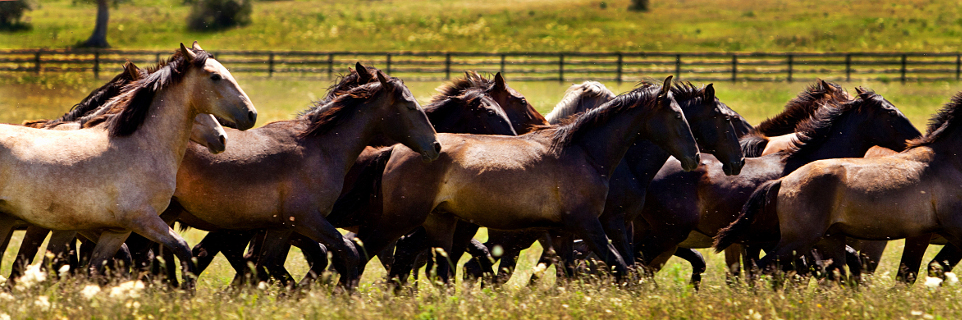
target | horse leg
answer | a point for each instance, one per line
(406, 253)
(273, 253)
(733, 261)
(440, 232)
(697, 261)
(479, 254)
(108, 243)
(948, 257)
(592, 232)
(870, 254)
(315, 254)
(152, 227)
(59, 247)
(140, 251)
(463, 234)
(912, 257)
(346, 258)
(615, 228)
(832, 247)
(32, 241)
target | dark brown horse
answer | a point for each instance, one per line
(556, 177)
(471, 110)
(289, 173)
(909, 194)
(711, 123)
(701, 202)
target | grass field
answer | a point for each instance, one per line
(520, 25)
(668, 297)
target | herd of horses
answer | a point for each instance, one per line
(606, 183)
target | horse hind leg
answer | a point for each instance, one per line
(346, 258)
(108, 243)
(593, 234)
(948, 257)
(912, 255)
(32, 241)
(152, 227)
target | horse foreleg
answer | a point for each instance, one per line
(870, 253)
(463, 234)
(32, 241)
(592, 232)
(948, 257)
(733, 256)
(108, 243)
(912, 257)
(60, 245)
(440, 231)
(315, 254)
(273, 252)
(406, 253)
(152, 227)
(614, 226)
(316, 227)
(697, 261)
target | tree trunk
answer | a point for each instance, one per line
(99, 38)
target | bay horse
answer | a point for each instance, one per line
(688, 208)
(712, 123)
(118, 197)
(913, 178)
(783, 124)
(206, 131)
(470, 109)
(556, 177)
(289, 173)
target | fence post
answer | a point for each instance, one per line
(621, 61)
(848, 67)
(734, 67)
(903, 68)
(502, 64)
(447, 66)
(388, 63)
(36, 62)
(157, 57)
(678, 66)
(97, 64)
(958, 66)
(561, 68)
(790, 62)
(270, 65)
(330, 65)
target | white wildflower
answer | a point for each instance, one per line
(933, 282)
(262, 285)
(130, 289)
(916, 313)
(90, 291)
(754, 315)
(951, 278)
(539, 270)
(4, 316)
(928, 316)
(6, 297)
(43, 302)
(64, 269)
(32, 276)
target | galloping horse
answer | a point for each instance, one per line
(127, 167)
(206, 131)
(897, 196)
(289, 173)
(487, 180)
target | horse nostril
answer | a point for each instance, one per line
(251, 116)
(222, 139)
(437, 147)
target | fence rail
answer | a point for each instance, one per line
(557, 66)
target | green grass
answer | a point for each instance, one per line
(520, 25)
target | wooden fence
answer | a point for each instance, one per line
(540, 66)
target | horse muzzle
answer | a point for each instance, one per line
(689, 164)
(432, 153)
(733, 168)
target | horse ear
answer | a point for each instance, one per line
(196, 46)
(363, 75)
(189, 55)
(131, 69)
(824, 84)
(383, 79)
(710, 93)
(859, 90)
(499, 82)
(665, 87)
(864, 93)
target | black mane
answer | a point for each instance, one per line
(943, 121)
(802, 107)
(342, 84)
(344, 106)
(814, 131)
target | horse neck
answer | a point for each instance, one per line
(606, 144)
(845, 142)
(441, 117)
(165, 132)
(644, 159)
(342, 144)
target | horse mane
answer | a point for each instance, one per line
(457, 86)
(441, 103)
(342, 84)
(643, 96)
(96, 99)
(801, 107)
(323, 118)
(570, 104)
(138, 95)
(753, 144)
(814, 131)
(947, 118)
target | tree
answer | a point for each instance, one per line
(10, 13)
(638, 5)
(99, 38)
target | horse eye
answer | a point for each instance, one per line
(678, 116)
(491, 112)
(215, 77)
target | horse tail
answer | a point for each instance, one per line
(753, 145)
(763, 199)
